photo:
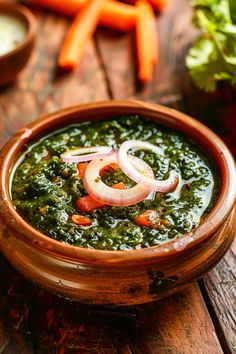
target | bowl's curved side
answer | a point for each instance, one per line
(102, 110)
(120, 278)
(107, 285)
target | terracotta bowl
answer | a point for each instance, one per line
(118, 277)
(12, 62)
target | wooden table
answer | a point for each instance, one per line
(201, 319)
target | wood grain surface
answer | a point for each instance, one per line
(220, 286)
(34, 321)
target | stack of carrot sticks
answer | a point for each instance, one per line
(138, 16)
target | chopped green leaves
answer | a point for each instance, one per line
(213, 56)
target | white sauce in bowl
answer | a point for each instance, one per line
(12, 33)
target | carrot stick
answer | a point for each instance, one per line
(63, 7)
(81, 167)
(112, 167)
(114, 14)
(80, 31)
(119, 185)
(146, 41)
(159, 5)
(81, 220)
(88, 203)
(118, 16)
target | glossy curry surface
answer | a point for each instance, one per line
(45, 189)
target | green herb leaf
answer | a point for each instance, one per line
(213, 56)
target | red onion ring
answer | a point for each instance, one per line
(108, 195)
(164, 186)
(86, 153)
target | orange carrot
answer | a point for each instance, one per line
(119, 185)
(111, 168)
(64, 7)
(81, 220)
(81, 167)
(118, 16)
(159, 5)
(146, 41)
(114, 14)
(150, 218)
(88, 203)
(79, 33)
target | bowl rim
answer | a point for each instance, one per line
(14, 9)
(202, 232)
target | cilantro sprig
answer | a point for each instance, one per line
(213, 56)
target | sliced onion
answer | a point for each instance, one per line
(108, 195)
(138, 176)
(86, 153)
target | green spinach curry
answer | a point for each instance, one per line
(45, 190)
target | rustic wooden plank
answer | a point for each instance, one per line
(64, 327)
(40, 88)
(15, 336)
(61, 327)
(178, 324)
(218, 111)
(220, 285)
(118, 54)
(172, 84)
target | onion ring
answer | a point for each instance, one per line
(164, 186)
(86, 153)
(111, 196)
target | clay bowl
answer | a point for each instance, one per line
(12, 62)
(118, 277)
